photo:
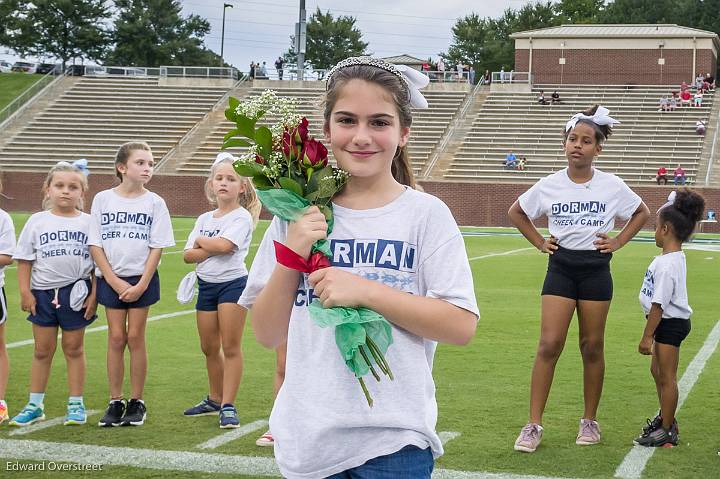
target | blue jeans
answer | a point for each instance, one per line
(410, 462)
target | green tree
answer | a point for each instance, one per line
(580, 11)
(64, 29)
(642, 11)
(151, 33)
(330, 40)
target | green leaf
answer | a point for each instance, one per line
(312, 196)
(261, 182)
(234, 142)
(233, 102)
(263, 139)
(230, 134)
(292, 185)
(245, 126)
(248, 169)
(230, 115)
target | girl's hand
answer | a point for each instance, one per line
(120, 286)
(336, 287)
(28, 302)
(90, 306)
(133, 293)
(646, 345)
(308, 229)
(550, 245)
(606, 244)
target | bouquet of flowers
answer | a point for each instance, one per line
(290, 171)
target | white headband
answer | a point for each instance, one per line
(222, 156)
(670, 201)
(411, 78)
(81, 164)
(601, 117)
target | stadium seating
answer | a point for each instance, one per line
(96, 115)
(646, 139)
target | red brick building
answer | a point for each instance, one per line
(616, 54)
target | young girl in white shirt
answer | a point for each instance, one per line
(57, 289)
(7, 248)
(581, 203)
(664, 300)
(219, 243)
(396, 251)
(131, 226)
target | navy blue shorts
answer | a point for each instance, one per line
(579, 275)
(210, 295)
(672, 331)
(3, 306)
(110, 299)
(49, 316)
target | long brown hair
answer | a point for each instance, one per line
(401, 165)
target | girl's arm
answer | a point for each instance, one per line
(5, 260)
(522, 222)
(638, 219)
(215, 246)
(430, 318)
(27, 299)
(98, 255)
(195, 255)
(90, 304)
(133, 293)
(272, 307)
(653, 319)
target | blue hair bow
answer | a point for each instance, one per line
(82, 165)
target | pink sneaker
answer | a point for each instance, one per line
(3, 412)
(589, 433)
(529, 438)
(266, 440)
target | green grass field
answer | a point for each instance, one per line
(12, 84)
(482, 389)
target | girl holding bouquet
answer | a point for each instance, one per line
(394, 250)
(219, 243)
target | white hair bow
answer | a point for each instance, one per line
(81, 164)
(415, 81)
(601, 117)
(670, 201)
(222, 156)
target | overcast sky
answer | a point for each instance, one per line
(260, 30)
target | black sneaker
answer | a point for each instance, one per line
(113, 413)
(660, 437)
(135, 413)
(652, 425)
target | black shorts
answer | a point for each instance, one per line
(210, 295)
(578, 275)
(672, 331)
(3, 306)
(109, 298)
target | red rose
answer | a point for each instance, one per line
(289, 148)
(300, 133)
(314, 154)
(259, 159)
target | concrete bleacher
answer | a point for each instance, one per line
(646, 139)
(97, 114)
(427, 129)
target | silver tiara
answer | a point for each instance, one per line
(413, 80)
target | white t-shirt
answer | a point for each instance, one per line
(236, 227)
(58, 248)
(7, 241)
(126, 229)
(665, 284)
(576, 212)
(321, 422)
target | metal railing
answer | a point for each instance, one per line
(511, 77)
(24, 98)
(711, 160)
(199, 72)
(132, 71)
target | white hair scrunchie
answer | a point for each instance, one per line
(670, 201)
(601, 117)
(222, 156)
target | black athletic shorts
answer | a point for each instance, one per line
(672, 331)
(579, 274)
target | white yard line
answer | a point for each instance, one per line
(29, 450)
(635, 461)
(244, 430)
(20, 431)
(26, 342)
(505, 253)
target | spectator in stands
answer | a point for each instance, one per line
(471, 75)
(510, 76)
(460, 68)
(263, 70)
(510, 161)
(502, 74)
(661, 175)
(673, 103)
(279, 67)
(663, 104)
(521, 163)
(555, 97)
(683, 86)
(679, 175)
(710, 80)
(685, 97)
(487, 77)
(253, 66)
(698, 98)
(700, 127)
(541, 98)
(441, 68)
